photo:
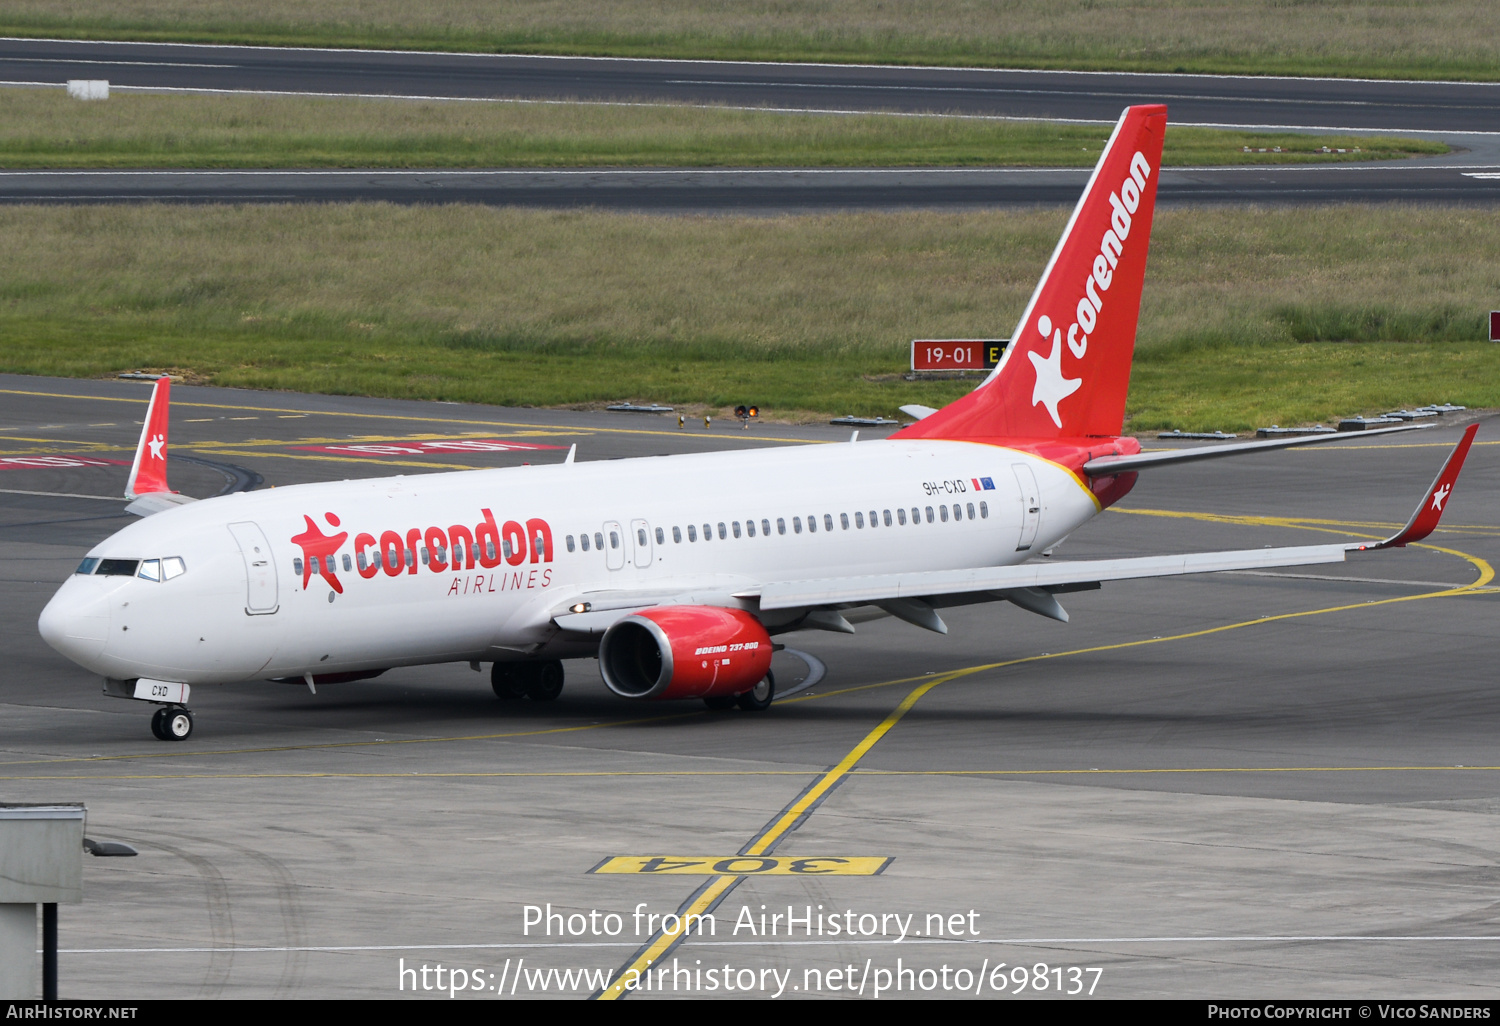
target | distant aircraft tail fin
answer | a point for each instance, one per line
(1067, 369)
(148, 473)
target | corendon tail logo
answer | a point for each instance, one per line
(1051, 387)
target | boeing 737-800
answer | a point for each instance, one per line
(675, 573)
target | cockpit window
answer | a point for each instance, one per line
(117, 567)
(173, 566)
(145, 569)
(88, 565)
(150, 570)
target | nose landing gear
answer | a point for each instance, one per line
(172, 723)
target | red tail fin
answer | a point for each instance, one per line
(149, 471)
(1067, 370)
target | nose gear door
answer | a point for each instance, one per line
(1031, 505)
(260, 569)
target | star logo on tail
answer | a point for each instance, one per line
(1439, 496)
(1051, 387)
(156, 444)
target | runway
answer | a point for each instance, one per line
(1325, 104)
(1230, 786)
(1461, 114)
(770, 191)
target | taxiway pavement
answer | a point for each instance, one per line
(1251, 785)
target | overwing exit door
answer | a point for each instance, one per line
(641, 532)
(614, 544)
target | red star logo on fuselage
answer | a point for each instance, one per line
(318, 546)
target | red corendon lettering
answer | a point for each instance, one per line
(413, 537)
(531, 580)
(512, 533)
(492, 582)
(459, 533)
(436, 542)
(391, 552)
(487, 537)
(515, 580)
(368, 567)
(540, 534)
(478, 584)
(546, 578)
(453, 588)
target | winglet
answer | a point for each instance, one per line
(149, 471)
(1429, 511)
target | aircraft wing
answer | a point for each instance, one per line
(1043, 576)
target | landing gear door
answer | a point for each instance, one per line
(260, 569)
(1031, 505)
(615, 541)
(640, 532)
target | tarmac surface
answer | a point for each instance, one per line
(1462, 114)
(1230, 786)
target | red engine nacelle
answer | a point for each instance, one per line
(685, 652)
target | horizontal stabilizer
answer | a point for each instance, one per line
(1108, 465)
(156, 502)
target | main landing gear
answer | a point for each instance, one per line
(757, 699)
(172, 723)
(538, 681)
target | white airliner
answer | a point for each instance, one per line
(675, 572)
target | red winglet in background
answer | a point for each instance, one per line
(1430, 510)
(149, 471)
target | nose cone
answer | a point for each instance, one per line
(76, 622)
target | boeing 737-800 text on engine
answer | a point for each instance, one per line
(677, 572)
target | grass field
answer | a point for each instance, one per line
(44, 128)
(1386, 38)
(1251, 316)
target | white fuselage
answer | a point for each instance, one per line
(239, 613)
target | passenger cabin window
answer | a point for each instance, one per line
(812, 524)
(735, 527)
(984, 510)
(708, 532)
(297, 565)
(677, 535)
(723, 532)
(929, 515)
(874, 520)
(614, 539)
(971, 511)
(796, 525)
(916, 515)
(88, 565)
(569, 540)
(640, 537)
(828, 521)
(887, 515)
(660, 536)
(844, 520)
(765, 527)
(958, 512)
(859, 520)
(780, 526)
(583, 540)
(943, 513)
(901, 516)
(750, 528)
(692, 533)
(598, 543)
(150, 570)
